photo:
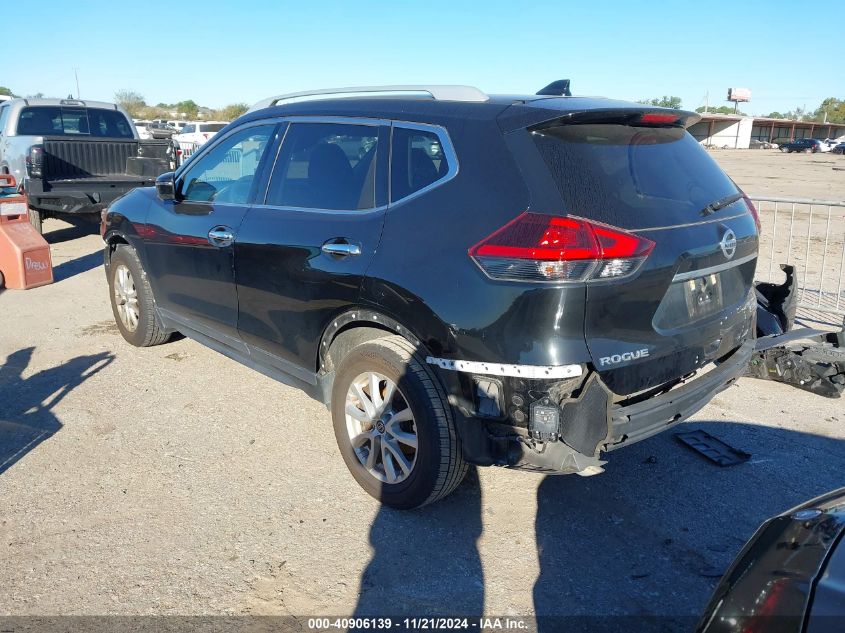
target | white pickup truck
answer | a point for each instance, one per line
(74, 157)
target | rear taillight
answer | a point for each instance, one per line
(658, 118)
(548, 248)
(753, 211)
(35, 161)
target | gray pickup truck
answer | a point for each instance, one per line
(74, 157)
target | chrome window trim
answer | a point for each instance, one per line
(448, 150)
(316, 210)
(441, 132)
(337, 120)
(702, 272)
(688, 224)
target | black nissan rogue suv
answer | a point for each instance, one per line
(520, 281)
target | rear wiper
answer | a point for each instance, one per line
(721, 203)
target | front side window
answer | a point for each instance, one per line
(211, 127)
(189, 129)
(417, 161)
(326, 166)
(226, 173)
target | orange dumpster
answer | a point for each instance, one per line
(24, 254)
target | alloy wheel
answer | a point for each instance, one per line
(126, 298)
(381, 427)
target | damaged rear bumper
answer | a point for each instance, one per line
(638, 421)
(588, 423)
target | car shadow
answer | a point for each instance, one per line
(639, 547)
(426, 559)
(75, 228)
(26, 404)
(76, 266)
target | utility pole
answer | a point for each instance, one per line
(76, 74)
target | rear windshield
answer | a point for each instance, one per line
(632, 177)
(73, 121)
(212, 127)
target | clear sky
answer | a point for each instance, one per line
(217, 52)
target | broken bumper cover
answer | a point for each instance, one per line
(590, 423)
(638, 421)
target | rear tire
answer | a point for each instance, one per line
(429, 442)
(36, 220)
(132, 301)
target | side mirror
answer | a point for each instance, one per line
(166, 186)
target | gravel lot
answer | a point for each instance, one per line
(172, 480)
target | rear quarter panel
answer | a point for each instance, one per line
(423, 277)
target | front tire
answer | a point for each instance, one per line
(132, 301)
(394, 426)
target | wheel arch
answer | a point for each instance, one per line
(354, 327)
(112, 241)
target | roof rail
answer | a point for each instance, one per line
(439, 93)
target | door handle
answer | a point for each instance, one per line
(341, 249)
(221, 236)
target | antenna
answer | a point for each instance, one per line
(559, 88)
(76, 74)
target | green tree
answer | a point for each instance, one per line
(833, 108)
(131, 101)
(6, 92)
(775, 115)
(720, 110)
(187, 108)
(664, 102)
(232, 111)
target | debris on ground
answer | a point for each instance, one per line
(713, 448)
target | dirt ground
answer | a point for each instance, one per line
(172, 480)
(810, 237)
(773, 173)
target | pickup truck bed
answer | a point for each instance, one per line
(84, 175)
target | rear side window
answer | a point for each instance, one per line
(326, 166)
(631, 177)
(73, 121)
(417, 161)
(212, 127)
(189, 129)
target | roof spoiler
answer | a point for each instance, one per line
(640, 116)
(559, 88)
